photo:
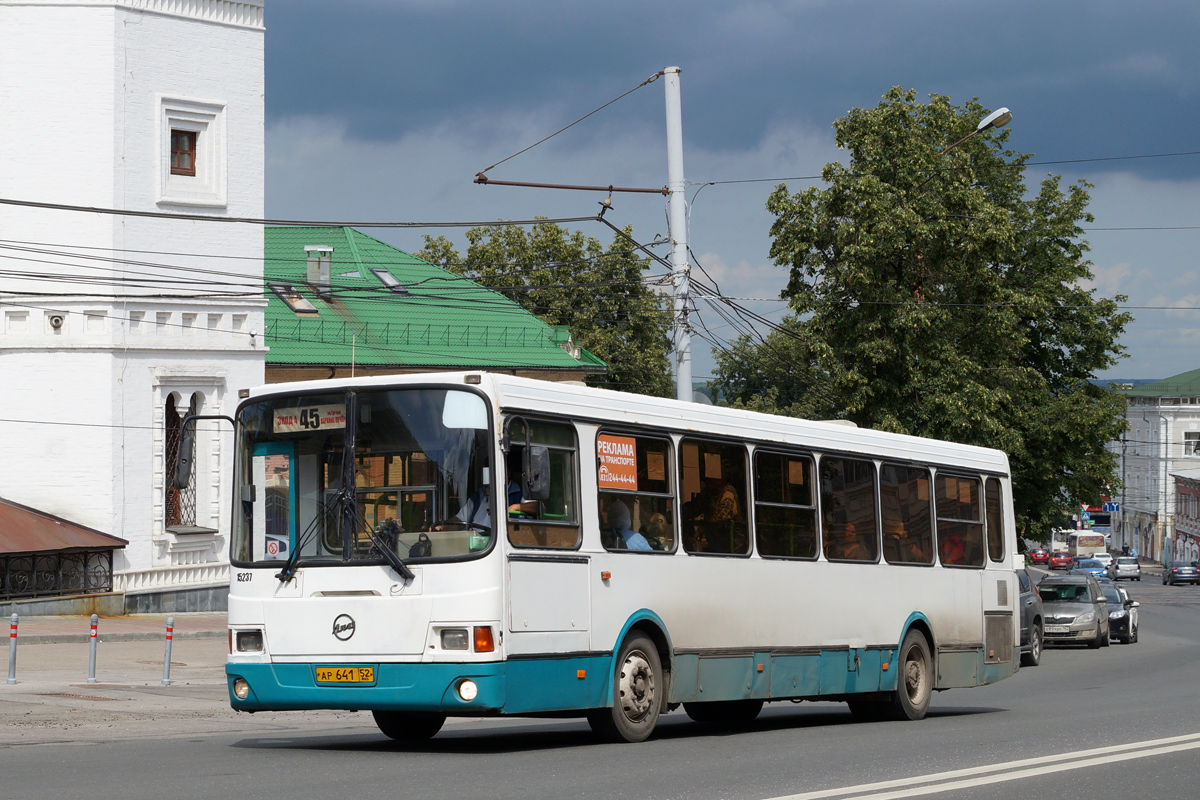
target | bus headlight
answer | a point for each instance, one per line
(249, 641)
(241, 689)
(467, 690)
(455, 639)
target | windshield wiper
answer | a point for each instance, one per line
(286, 574)
(390, 556)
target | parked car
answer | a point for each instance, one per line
(1125, 568)
(1088, 566)
(1122, 615)
(1104, 558)
(1075, 610)
(1060, 559)
(1031, 621)
(1181, 572)
(1039, 555)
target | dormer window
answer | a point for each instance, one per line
(183, 152)
(295, 301)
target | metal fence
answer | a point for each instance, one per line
(55, 574)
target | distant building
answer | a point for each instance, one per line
(341, 302)
(1187, 514)
(1163, 440)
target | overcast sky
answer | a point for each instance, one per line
(386, 109)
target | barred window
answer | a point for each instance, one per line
(179, 504)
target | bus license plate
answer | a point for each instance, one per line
(1058, 629)
(345, 674)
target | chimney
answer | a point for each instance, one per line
(320, 259)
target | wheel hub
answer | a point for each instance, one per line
(637, 686)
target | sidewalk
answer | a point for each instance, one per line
(132, 628)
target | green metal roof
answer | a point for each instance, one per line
(1185, 384)
(430, 317)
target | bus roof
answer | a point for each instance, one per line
(606, 406)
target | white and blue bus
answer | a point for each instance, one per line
(467, 544)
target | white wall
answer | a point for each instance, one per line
(87, 94)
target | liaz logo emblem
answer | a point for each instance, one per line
(343, 627)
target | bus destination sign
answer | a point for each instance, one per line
(309, 418)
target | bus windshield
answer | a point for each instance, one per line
(333, 478)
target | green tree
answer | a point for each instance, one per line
(567, 278)
(935, 295)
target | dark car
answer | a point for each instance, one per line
(1031, 621)
(1060, 559)
(1181, 572)
(1122, 615)
(1039, 555)
(1075, 610)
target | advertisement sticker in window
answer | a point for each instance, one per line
(618, 462)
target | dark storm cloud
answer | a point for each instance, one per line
(1084, 79)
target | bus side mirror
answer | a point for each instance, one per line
(537, 472)
(183, 461)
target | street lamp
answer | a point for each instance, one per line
(997, 119)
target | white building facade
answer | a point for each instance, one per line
(113, 325)
(1163, 439)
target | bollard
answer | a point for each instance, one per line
(92, 658)
(167, 658)
(12, 649)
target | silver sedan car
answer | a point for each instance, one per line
(1125, 568)
(1075, 610)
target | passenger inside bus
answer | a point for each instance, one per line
(715, 511)
(624, 537)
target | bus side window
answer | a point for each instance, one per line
(907, 514)
(554, 521)
(995, 519)
(959, 521)
(849, 524)
(785, 513)
(636, 500)
(713, 479)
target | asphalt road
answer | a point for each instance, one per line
(1120, 721)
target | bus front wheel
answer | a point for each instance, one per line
(409, 726)
(637, 694)
(911, 699)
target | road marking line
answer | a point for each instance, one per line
(1013, 770)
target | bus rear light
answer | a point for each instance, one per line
(455, 639)
(483, 640)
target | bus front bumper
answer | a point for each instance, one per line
(408, 687)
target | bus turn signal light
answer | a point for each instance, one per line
(483, 640)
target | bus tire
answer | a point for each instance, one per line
(637, 693)
(725, 713)
(409, 726)
(915, 679)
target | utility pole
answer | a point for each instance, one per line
(681, 270)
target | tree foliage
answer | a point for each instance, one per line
(567, 278)
(933, 294)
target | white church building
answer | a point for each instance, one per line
(115, 322)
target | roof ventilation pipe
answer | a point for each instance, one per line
(320, 259)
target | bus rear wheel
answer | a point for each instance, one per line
(637, 694)
(915, 688)
(726, 713)
(409, 726)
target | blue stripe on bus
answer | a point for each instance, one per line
(530, 685)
